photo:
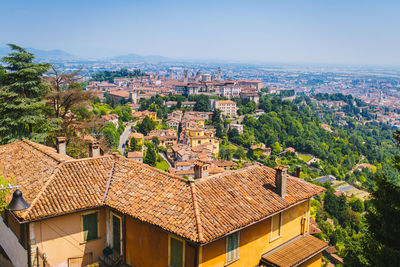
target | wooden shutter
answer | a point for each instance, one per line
(90, 226)
(176, 250)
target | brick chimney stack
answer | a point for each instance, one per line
(94, 149)
(201, 169)
(298, 171)
(281, 180)
(61, 144)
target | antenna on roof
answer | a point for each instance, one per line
(9, 187)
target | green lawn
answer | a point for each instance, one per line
(305, 158)
(162, 165)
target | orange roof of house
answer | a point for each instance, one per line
(120, 93)
(135, 154)
(295, 252)
(136, 135)
(225, 163)
(226, 102)
(110, 116)
(57, 185)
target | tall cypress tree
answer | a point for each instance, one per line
(151, 155)
(21, 92)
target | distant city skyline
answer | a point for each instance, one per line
(335, 32)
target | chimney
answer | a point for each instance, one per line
(94, 149)
(281, 179)
(61, 145)
(201, 169)
(298, 171)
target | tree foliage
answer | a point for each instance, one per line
(111, 134)
(151, 155)
(122, 73)
(201, 103)
(66, 96)
(21, 93)
(146, 126)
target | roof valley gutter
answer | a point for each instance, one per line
(109, 180)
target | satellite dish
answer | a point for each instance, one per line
(18, 202)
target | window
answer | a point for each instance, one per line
(176, 252)
(89, 226)
(276, 226)
(116, 233)
(232, 248)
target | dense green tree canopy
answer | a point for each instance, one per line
(21, 93)
(151, 155)
(146, 126)
(110, 75)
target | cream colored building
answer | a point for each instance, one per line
(227, 107)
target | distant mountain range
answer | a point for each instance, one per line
(60, 55)
(44, 55)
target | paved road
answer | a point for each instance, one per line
(124, 138)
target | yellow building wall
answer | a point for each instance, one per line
(315, 261)
(145, 245)
(196, 133)
(200, 124)
(194, 142)
(61, 238)
(148, 246)
(254, 241)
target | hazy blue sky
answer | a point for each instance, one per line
(327, 31)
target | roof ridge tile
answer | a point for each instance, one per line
(196, 212)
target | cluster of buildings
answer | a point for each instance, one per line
(144, 87)
(196, 142)
(166, 138)
(112, 211)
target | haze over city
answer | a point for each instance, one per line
(341, 32)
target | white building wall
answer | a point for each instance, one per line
(9, 242)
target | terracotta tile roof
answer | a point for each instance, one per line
(224, 202)
(331, 250)
(237, 198)
(295, 252)
(77, 185)
(314, 229)
(135, 154)
(29, 165)
(153, 196)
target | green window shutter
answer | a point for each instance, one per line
(116, 234)
(232, 247)
(176, 251)
(90, 226)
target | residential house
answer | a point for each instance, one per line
(227, 107)
(236, 126)
(142, 114)
(119, 95)
(135, 155)
(114, 118)
(256, 216)
(167, 138)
